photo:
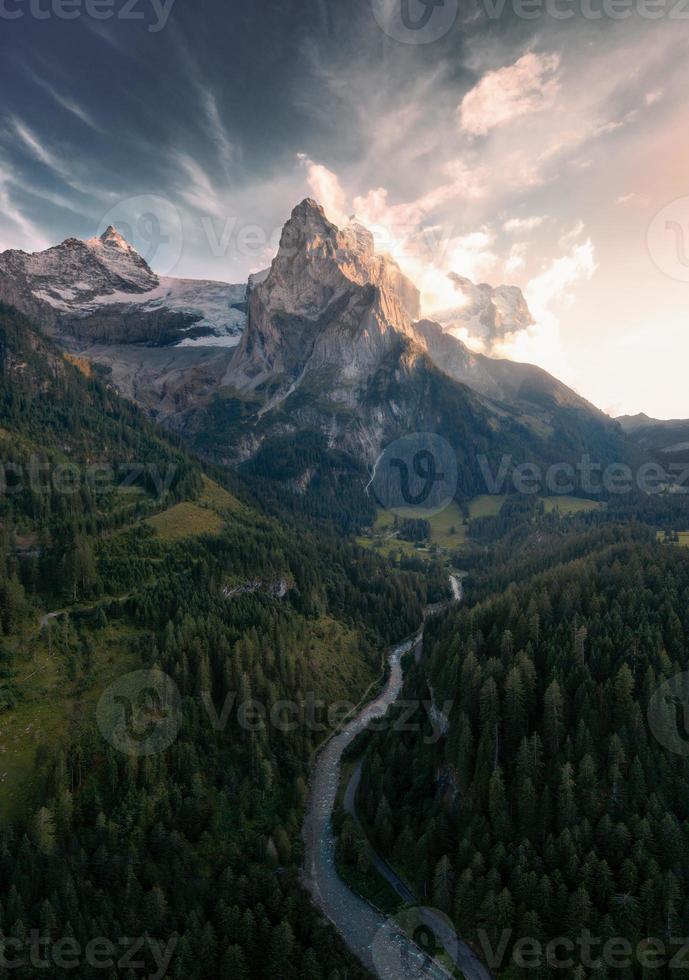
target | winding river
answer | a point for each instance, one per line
(374, 938)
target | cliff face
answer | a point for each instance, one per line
(103, 291)
(329, 304)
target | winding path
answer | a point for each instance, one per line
(373, 937)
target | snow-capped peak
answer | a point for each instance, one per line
(114, 252)
(111, 236)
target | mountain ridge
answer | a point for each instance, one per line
(102, 290)
(332, 343)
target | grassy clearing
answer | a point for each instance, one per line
(486, 505)
(185, 520)
(218, 499)
(570, 505)
(447, 528)
(448, 532)
(204, 516)
(683, 538)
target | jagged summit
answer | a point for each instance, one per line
(328, 340)
(112, 234)
(487, 314)
(329, 303)
(101, 289)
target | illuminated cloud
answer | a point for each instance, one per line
(530, 85)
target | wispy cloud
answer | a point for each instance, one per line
(214, 125)
(31, 236)
(523, 224)
(326, 188)
(502, 96)
(65, 102)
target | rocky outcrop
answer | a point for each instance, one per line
(487, 313)
(330, 306)
(103, 291)
(499, 379)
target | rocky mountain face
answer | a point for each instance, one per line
(666, 440)
(329, 305)
(496, 378)
(103, 291)
(328, 342)
(333, 344)
(486, 313)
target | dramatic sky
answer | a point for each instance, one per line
(545, 151)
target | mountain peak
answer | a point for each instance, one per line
(111, 236)
(307, 227)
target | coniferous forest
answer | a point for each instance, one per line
(199, 846)
(538, 802)
(549, 808)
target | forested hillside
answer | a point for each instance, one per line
(197, 845)
(550, 807)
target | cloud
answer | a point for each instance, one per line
(570, 235)
(516, 261)
(326, 189)
(530, 85)
(523, 224)
(198, 190)
(35, 147)
(65, 102)
(214, 124)
(31, 236)
(66, 172)
(553, 287)
(548, 294)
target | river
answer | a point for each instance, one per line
(372, 936)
